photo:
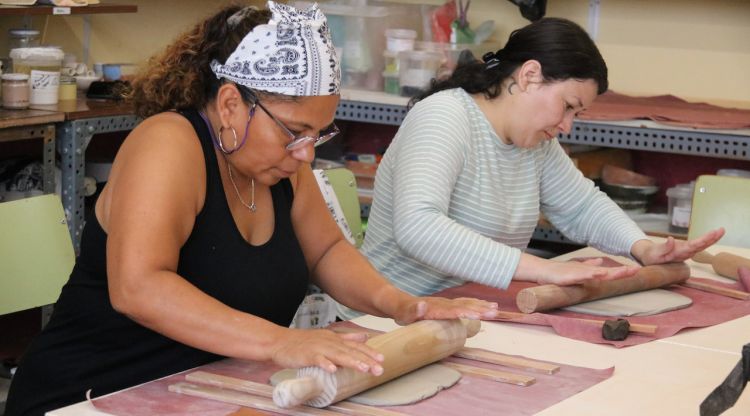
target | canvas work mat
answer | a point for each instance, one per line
(470, 396)
(707, 309)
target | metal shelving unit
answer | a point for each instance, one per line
(73, 137)
(372, 107)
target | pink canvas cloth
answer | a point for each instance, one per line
(707, 309)
(667, 109)
(471, 396)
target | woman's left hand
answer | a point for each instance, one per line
(648, 252)
(442, 308)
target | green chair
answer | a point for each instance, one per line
(722, 201)
(36, 252)
(345, 187)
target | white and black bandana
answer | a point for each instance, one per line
(292, 55)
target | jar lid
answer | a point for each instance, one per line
(15, 77)
(23, 33)
(37, 53)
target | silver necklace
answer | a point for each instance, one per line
(251, 206)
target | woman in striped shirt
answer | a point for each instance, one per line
(460, 189)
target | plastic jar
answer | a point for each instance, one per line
(67, 88)
(680, 206)
(398, 40)
(15, 91)
(23, 38)
(43, 67)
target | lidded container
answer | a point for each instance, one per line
(15, 91)
(398, 40)
(23, 38)
(42, 64)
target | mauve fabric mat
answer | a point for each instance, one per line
(707, 309)
(470, 396)
(666, 109)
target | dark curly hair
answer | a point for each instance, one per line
(563, 48)
(181, 76)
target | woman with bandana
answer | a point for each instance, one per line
(211, 225)
(459, 191)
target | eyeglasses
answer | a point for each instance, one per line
(297, 142)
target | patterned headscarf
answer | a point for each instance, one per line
(292, 55)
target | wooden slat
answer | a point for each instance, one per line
(485, 356)
(495, 375)
(244, 399)
(266, 391)
(716, 289)
(645, 329)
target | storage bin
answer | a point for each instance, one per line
(358, 29)
(416, 70)
(451, 51)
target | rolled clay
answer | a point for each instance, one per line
(648, 302)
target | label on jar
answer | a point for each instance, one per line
(44, 86)
(681, 217)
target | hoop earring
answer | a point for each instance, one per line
(221, 143)
(511, 86)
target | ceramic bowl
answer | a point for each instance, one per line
(84, 81)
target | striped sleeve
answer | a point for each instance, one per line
(580, 210)
(427, 162)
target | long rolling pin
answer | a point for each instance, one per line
(404, 349)
(546, 297)
(725, 264)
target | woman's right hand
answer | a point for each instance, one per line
(326, 349)
(543, 271)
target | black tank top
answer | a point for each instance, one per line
(88, 345)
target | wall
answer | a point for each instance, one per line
(695, 49)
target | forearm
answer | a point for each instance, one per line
(349, 278)
(186, 314)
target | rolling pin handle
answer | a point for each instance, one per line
(293, 392)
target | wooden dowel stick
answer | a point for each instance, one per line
(495, 375)
(244, 399)
(264, 390)
(546, 297)
(485, 356)
(646, 329)
(716, 289)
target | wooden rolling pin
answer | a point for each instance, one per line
(725, 264)
(404, 350)
(546, 297)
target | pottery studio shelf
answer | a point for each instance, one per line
(382, 108)
(7, 10)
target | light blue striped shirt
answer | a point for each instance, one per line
(453, 203)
